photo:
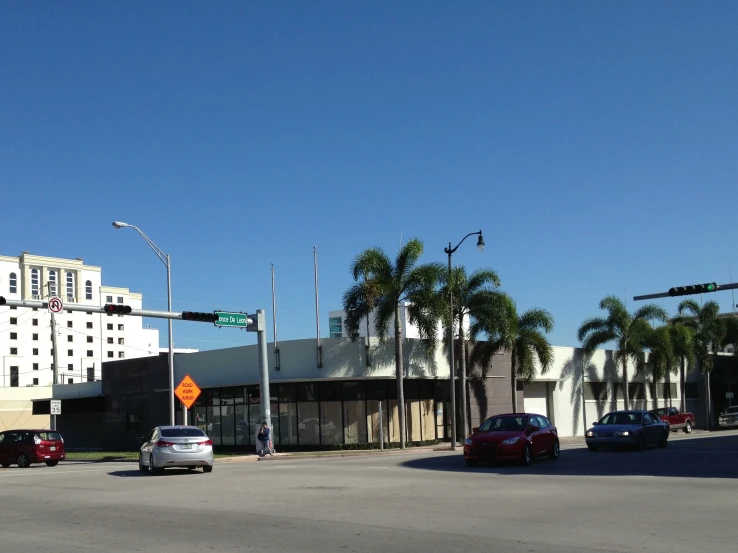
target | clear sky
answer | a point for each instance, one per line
(594, 143)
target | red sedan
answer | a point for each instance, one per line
(24, 447)
(515, 437)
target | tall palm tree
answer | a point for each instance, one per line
(682, 341)
(473, 294)
(626, 330)
(523, 336)
(381, 286)
(709, 331)
(662, 360)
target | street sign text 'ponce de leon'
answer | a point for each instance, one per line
(232, 319)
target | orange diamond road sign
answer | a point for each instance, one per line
(187, 391)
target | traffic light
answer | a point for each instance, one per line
(2, 300)
(693, 289)
(202, 317)
(115, 308)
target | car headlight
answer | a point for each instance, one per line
(623, 434)
(468, 441)
(591, 434)
(510, 441)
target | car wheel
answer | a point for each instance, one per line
(555, 451)
(592, 447)
(207, 468)
(688, 427)
(641, 443)
(52, 463)
(141, 466)
(527, 458)
(471, 462)
(23, 461)
(664, 439)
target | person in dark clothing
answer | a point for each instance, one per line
(264, 437)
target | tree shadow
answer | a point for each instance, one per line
(711, 457)
(574, 371)
(479, 387)
(417, 362)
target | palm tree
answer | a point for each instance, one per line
(682, 341)
(661, 359)
(381, 286)
(472, 296)
(709, 331)
(523, 336)
(628, 331)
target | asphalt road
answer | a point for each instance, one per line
(682, 499)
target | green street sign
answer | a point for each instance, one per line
(232, 319)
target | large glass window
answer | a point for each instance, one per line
(242, 423)
(287, 423)
(13, 283)
(88, 290)
(373, 421)
(308, 423)
(35, 283)
(336, 330)
(227, 423)
(70, 286)
(52, 283)
(330, 422)
(354, 413)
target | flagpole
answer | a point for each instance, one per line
(317, 308)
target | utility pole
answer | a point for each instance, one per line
(55, 356)
(259, 324)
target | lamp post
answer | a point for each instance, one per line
(164, 259)
(450, 251)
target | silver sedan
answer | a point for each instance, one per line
(175, 446)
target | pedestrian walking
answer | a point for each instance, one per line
(265, 438)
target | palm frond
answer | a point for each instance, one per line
(652, 312)
(689, 307)
(407, 257)
(370, 262)
(597, 338)
(591, 326)
(483, 278)
(536, 319)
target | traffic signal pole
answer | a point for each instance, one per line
(688, 291)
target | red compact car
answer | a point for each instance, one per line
(23, 447)
(516, 437)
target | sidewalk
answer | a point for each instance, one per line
(334, 454)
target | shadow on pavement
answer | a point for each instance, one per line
(714, 457)
(168, 472)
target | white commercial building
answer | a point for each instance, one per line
(84, 340)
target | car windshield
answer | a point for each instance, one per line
(731, 411)
(49, 436)
(622, 418)
(661, 412)
(189, 432)
(504, 424)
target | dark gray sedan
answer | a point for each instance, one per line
(636, 429)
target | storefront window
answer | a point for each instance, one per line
(287, 423)
(242, 424)
(228, 429)
(254, 421)
(331, 423)
(308, 423)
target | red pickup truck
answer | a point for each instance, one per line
(675, 419)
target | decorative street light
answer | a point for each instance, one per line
(450, 251)
(164, 259)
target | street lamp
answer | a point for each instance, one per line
(450, 251)
(164, 259)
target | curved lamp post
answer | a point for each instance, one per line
(164, 259)
(450, 251)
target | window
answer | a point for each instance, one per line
(110, 326)
(70, 353)
(89, 339)
(69, 324)
(70, 338)
(13, 335)
(35, 351)
(120, 299)
(13, 351)
(70, 380)
(13, 307)
(336, 330)
(133, 422)
(70, 286)
(89, 324)
(110, 340)
(120, 327)
(13, 377)
(595, 390)
(52, 283)
(35, 322)
(35, 337)
(52, 352)
(35, 283)
(89, 353)
(90, 374)
(70, 366)
(121, 355)
(13, 283)
(668, 390)
(35, 381)
(14, 321)
(121, 341)
(636, 390)
(69, 311)
(108, 299)
(88, 290)
(110, 354)
(35, 366)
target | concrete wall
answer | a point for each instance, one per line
(16, 408)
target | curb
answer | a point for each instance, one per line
(298, 456)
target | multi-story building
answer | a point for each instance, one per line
(84, 340)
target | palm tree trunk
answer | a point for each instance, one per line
(626, 396)
(682, 385)
(400, 375)
(708, 400)
(514, 382)
(462, 378)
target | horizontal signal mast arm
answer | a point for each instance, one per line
(90, 308)
(731, 286)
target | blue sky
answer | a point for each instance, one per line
(593, 143)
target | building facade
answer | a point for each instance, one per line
(84, 340)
